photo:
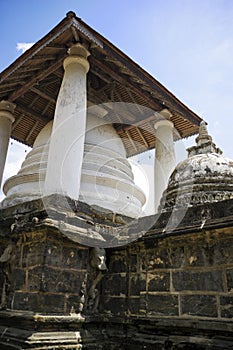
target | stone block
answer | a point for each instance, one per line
(199, 305)
(143, 303)
(74, 257)
(177, 256)
(226, 303)
(133, 305)
(133, 263)
(143, 261)
(116, 306)
(117, 263)
(158, 258)
(166, 305)
(219, 252)
(53, 252)
(72, 302)
(198, 281)
(47, 279)
(115, 284)
(33, 254)
(194, 255)
(158, 282)
(36, 282)
(18, 279)
(38, 302)
(137, 284)
(229, 273)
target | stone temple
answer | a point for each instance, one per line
(80, 266)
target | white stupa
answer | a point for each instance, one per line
(106, 180)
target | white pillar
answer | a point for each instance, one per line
(6, 120)
(67, 139)
(164, 158)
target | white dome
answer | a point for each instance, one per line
(206, 176)
(106, 180)
(204, 166)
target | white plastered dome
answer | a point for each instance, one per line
(106, 180)
(206, 176)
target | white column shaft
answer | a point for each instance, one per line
(164, 158)
(67, 140)
(6, 120)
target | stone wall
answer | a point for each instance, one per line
(167, 290)
(48, 273)
(187, 276)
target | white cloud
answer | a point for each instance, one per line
(23, 46)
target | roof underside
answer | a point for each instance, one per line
(129, 96)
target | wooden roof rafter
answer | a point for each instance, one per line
(128, 84)
(46, 108)
(35, 80)
(33, 114)
(38, 72)
(44, 95)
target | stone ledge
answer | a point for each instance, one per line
(74, 332)
(94, 225)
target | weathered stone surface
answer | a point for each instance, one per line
(49, 274)
(162, 304)
(226, 303)
(199, 305)
(200, 280)
(53, 253)
(158, 282)
(164, 277)
(48, 279)
(137, 284)
(74, 258)
(143, 303)
(133, 263)
(114, 305)
(18, 279)
(178, 255)
(218, 251)
(33, 254)
(38, 302)
(116, 284)
(117, 263)
(194, 254)
(158, 258)
(133, 306)
(229, 273)
(72, 303)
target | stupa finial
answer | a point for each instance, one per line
(203, 136)
(204, 143)
(203, 132)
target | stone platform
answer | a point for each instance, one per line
(165, 284)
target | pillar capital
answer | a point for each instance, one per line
(77, 55)
(166, 113)
(163, 122)
(7, 109)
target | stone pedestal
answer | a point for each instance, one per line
(6, 120)
(49, 274)
(167, 290)
(48, 280)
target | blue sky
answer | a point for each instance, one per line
(186, 44)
